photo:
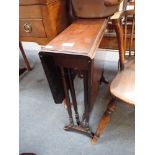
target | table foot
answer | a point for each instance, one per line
(79, 129)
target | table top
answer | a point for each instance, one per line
(82, 37)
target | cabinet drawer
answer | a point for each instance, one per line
(31, 28)
(33, 11)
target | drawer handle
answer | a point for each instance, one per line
(27, 28)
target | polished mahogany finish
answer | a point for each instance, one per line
(82, 37)
(75, 48)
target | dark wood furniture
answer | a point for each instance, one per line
(123, 85)
(75, 48)
(41, 20)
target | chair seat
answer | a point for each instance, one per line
(123, 85)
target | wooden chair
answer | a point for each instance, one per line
(123, 85)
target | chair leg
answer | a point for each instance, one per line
(24, 57)
(65, 104)
(104, 120)
(103, 79)
(119, 34)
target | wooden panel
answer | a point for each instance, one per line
(60, 13)
(57, 16)
(110, 42)
(71, 61)
(33, 11)
(37, 28)
(48, 20)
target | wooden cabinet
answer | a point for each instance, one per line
(41, 20)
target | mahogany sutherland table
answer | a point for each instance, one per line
(73, 51)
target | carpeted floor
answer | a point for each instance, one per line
(42, 121)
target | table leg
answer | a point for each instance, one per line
(69, 109)
(79, 128)
(72, 90)
(87, 100)
(85, 119)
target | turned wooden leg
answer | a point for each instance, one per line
(81, 127)
(85, 119)
(67, 98)
(131, 37)
(73, 95)
(104, 120)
